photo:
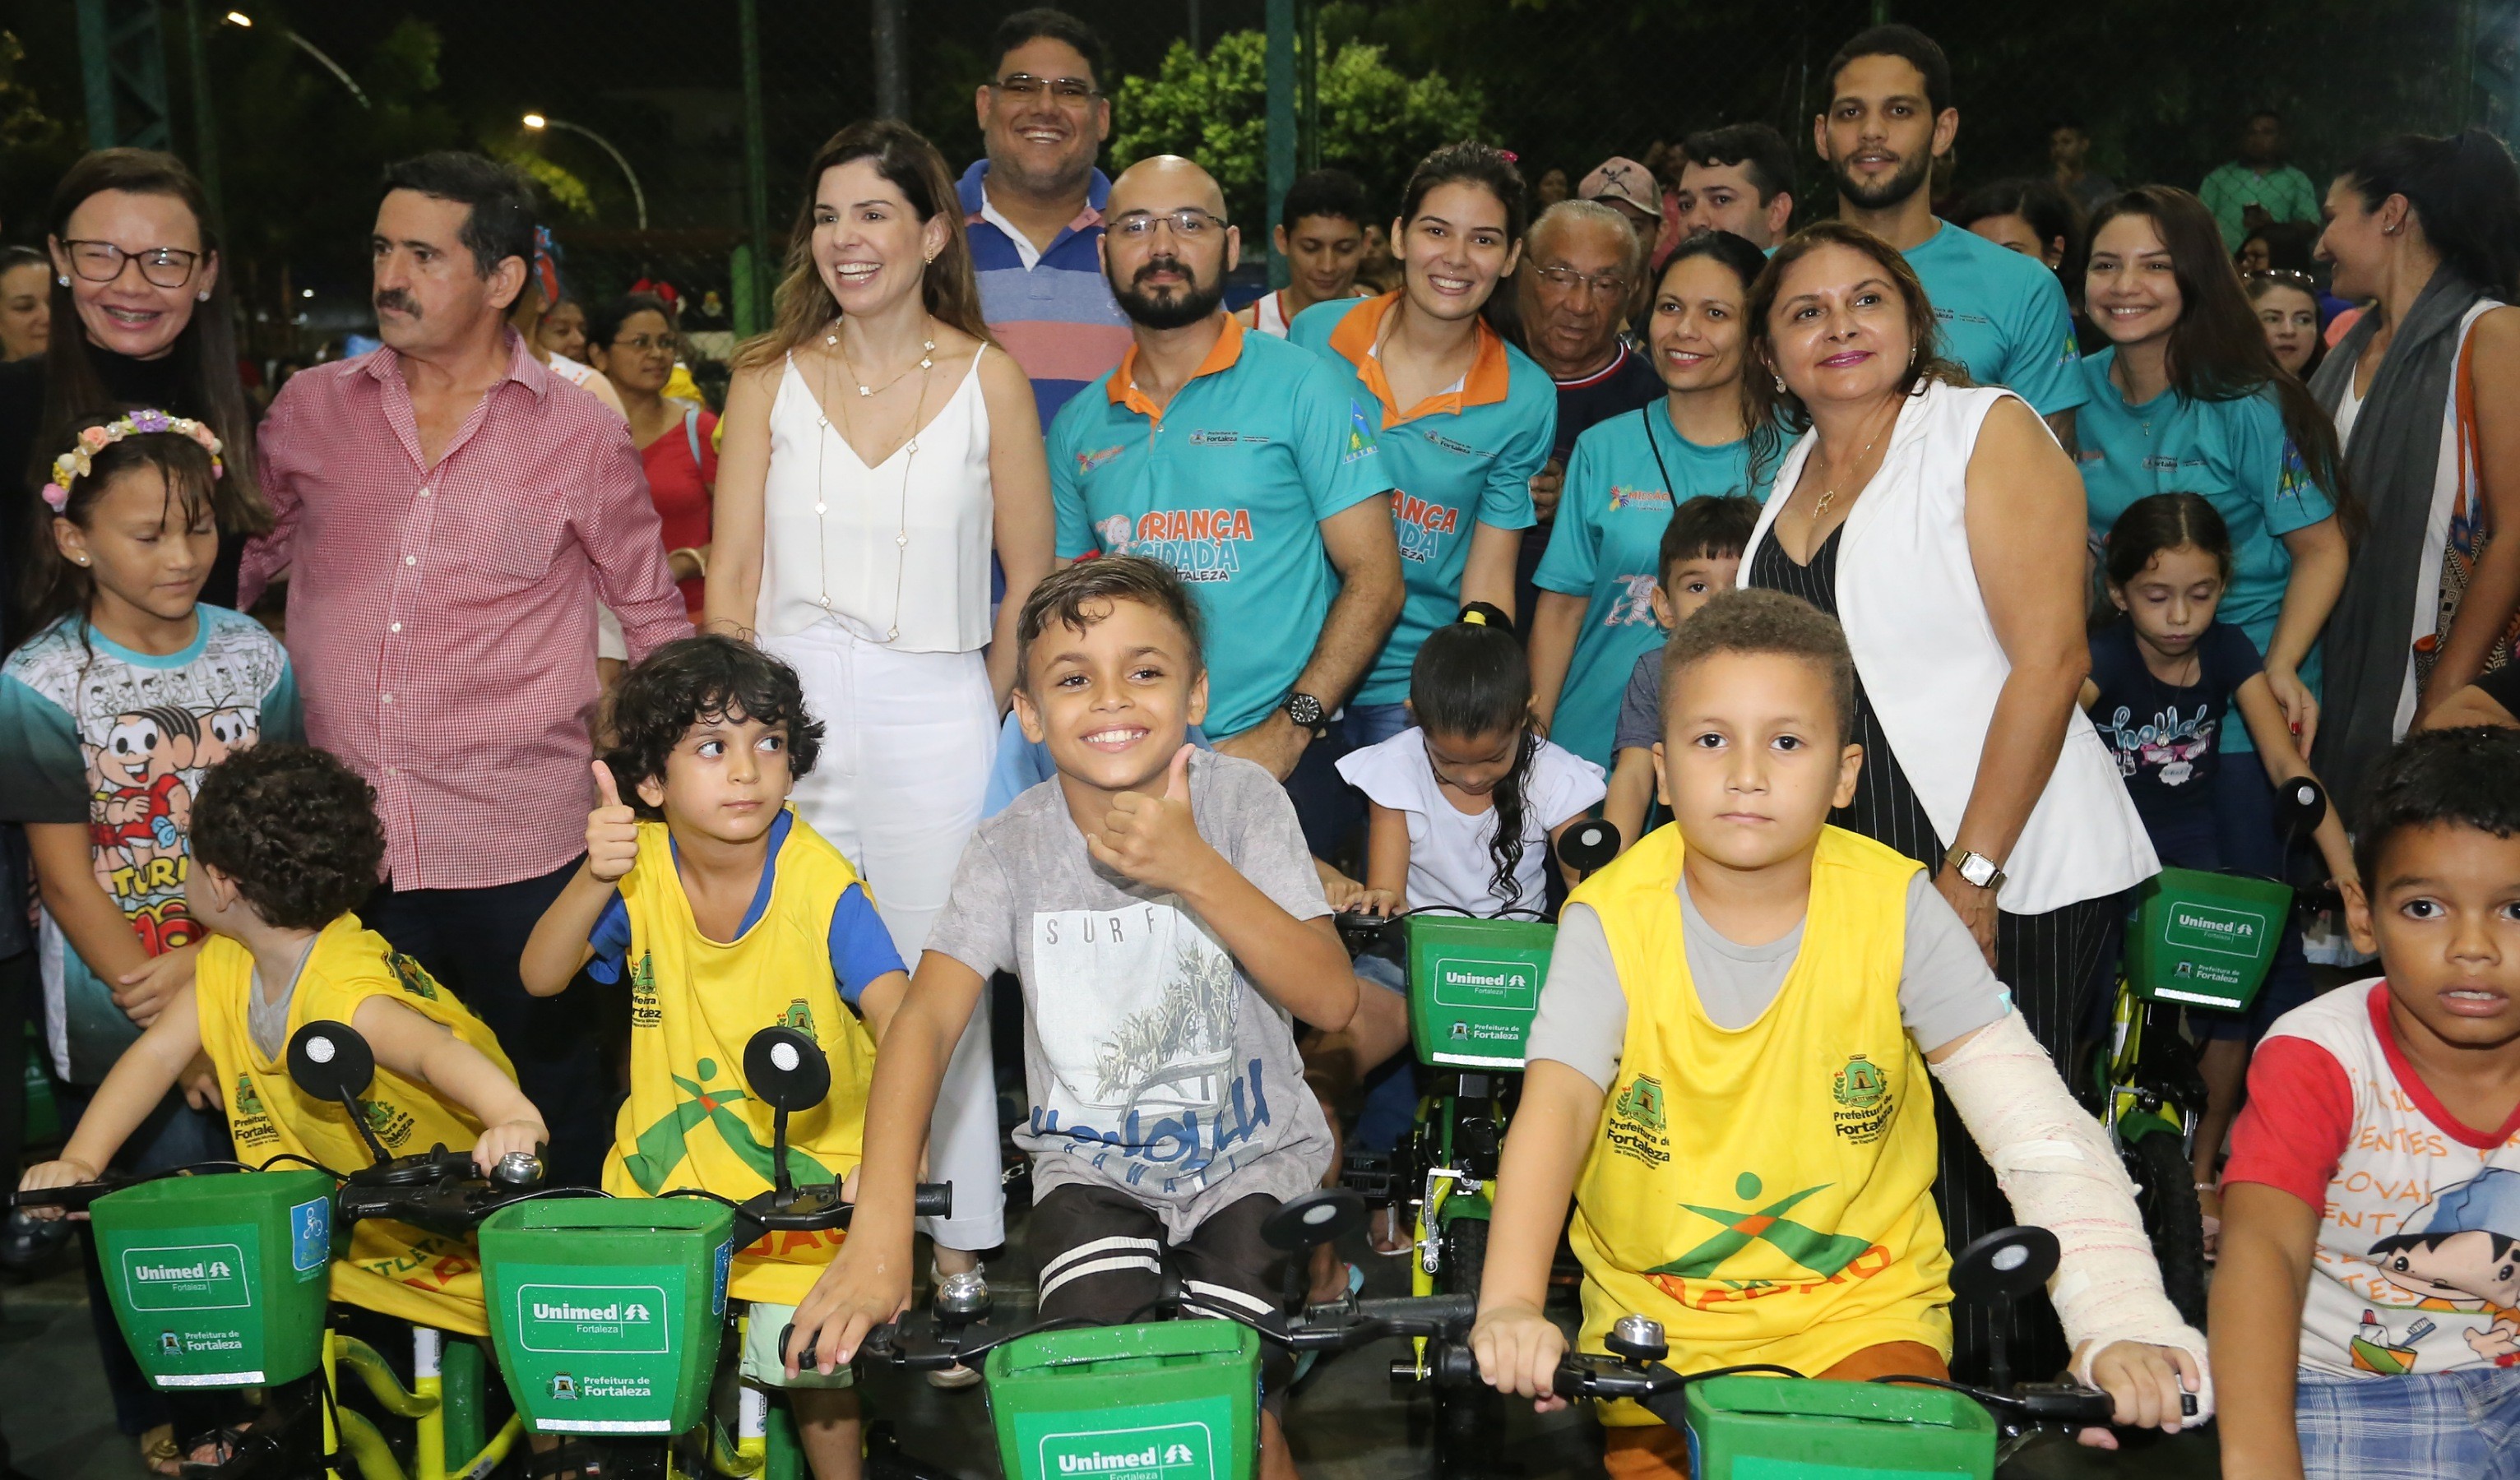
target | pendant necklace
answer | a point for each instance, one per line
(910, 449)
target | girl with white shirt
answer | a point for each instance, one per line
(879, 448)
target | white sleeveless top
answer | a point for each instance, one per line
(1927, 653)
(898, 554)
(1271, 315)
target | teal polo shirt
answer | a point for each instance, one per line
(2002, 315)
(1622, 480)
(1462, 458)
(2237, 456)
(1228, 485)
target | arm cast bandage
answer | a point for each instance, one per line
(2056, 1166)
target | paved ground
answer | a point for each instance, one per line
(1346, 1423)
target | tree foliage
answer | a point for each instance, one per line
(1376, 121)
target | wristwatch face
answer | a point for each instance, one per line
(1978, 869)
(1304, 710)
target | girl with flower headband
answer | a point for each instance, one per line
(128, 688)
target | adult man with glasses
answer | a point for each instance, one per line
(1584, 267)
(1035, 206)
(1247, 465)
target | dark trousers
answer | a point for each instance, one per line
(471, 940)
(2052, 962)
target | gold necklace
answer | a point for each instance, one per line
(909, 450)
(927, 361)
(1819, 511)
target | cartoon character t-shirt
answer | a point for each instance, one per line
(1152, 1062)
(2165, 735)
(2417, 1268)
(94, 733)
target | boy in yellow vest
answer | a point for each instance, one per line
(1728, 1074)
(729, 915)
(284, 841)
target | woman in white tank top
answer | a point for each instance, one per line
(878, 449)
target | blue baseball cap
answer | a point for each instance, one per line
(2488, 1202)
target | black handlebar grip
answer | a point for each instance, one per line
(1454, 1364)
(933, 1199)
(1462, 1308)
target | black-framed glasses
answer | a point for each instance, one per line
(1609, 285)
(1027, 88)
(1190, 223)
(101, 262)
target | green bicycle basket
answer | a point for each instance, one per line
(1473, 988)
(1176, 1400)
(606, 1312)
(2204, 939)
(1770, 1428)
(219, 1280)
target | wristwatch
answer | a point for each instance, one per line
(1305, 710)
(1976, 867)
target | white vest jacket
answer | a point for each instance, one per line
(1926, 652)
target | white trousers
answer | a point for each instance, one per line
(908, 741)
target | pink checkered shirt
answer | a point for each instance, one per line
(442, 619)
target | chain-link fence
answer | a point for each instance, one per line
(643, 145)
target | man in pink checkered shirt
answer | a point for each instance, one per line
(449, 512)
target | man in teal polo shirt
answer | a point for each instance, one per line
(2001, 316)
(1245, 462)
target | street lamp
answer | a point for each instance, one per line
(638, 197)
(243, 22)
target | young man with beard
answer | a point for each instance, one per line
(1244, 462)
(1889, 118)
(1034, 208)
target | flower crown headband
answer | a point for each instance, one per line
(73, 465)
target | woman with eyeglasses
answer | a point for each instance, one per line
(141, 316)
(631, 340)
(1597, 611)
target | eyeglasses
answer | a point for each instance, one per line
(2288, 277)
(1024, 87)
(101, 262)
(644, 343)
(1190, 223)
(1609, 285)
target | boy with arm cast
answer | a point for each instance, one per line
(2367, 1306)
(1700, 556)
(285, 840)
(1765, 993)
(730, 916)
(1166, 923)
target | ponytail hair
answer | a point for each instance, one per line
(1472, 678)
(2465, 191)
(2162, 521)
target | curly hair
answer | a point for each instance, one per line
(697, 680)
(295, 827)
(1762, 623)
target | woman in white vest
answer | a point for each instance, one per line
(1941, 523)
(878, 449)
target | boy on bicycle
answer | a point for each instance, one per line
(1162, 911)
(729, 915)
(1728, 1076)
(2367, 1306)
(284, 842)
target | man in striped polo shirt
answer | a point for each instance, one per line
(1034, 207)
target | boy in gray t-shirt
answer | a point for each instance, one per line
(1162, 910)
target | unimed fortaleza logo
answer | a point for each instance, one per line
(203, 1276)
(1485, 984)
(2228, 930)
(591, 1318)
(1170, 1451)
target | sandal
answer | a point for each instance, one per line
(160, 1454)
(1384, 1227)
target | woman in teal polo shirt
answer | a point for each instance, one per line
(1622, 480)
(1464, 417)
(2188, 399)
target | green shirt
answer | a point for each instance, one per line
(1227, 484)
(1626, 477)
(2285, 192)
(1456, 460)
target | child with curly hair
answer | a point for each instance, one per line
(729, 913)
(284, 841)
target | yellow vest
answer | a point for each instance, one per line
(391, 1267)
(1765, 1193)
(695, 1002)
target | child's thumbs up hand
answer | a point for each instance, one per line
(1155, 840)
(612, 831)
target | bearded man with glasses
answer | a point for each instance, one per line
(1034, 207)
